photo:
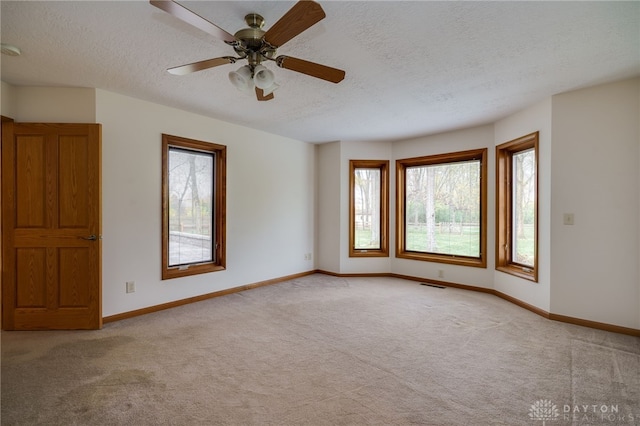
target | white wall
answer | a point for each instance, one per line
(270, 203)
(595, 163)
(532, 119)
(329, 209)
(53, 105)
(8, 100)
(460, 140)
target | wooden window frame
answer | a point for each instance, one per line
(383, 166)
(401, 166)
(504, 207)
(219, 210)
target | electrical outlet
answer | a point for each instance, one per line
(131, 286)
(308, 256)
(440, 273)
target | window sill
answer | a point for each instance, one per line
(177, 272)
(519, 272)
(453, 260)
(368, 253)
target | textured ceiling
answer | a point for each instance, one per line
(412, 68)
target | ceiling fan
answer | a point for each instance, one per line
(257, 46)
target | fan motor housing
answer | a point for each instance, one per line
(253, 45)
(251, 38)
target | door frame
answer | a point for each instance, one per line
(3, 119)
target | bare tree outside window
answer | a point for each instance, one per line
(441, 208)
(444, 214)
(524, 215)
(190, 210)
(193, 206)
(517, 207)
(368, 208)
(367, 200)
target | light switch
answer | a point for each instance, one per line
(568, 218)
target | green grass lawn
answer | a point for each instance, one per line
(363, 240)
(465, 243)
(525, 247)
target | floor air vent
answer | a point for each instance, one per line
(433, 285)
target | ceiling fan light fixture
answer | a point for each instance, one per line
(269, 90)
(241, 78)
(10, 50)
(263, 77)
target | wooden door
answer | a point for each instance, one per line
(51, 226)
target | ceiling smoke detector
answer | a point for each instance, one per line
(10, 50)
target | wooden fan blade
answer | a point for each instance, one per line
(261, 97)
(201, 65)
(324, 72)
(301, 16)
(192, 18)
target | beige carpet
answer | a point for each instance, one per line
(321, 350)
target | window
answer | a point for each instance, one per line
(442, 208)
(368, 208)
(517, 207)
(193, 207)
